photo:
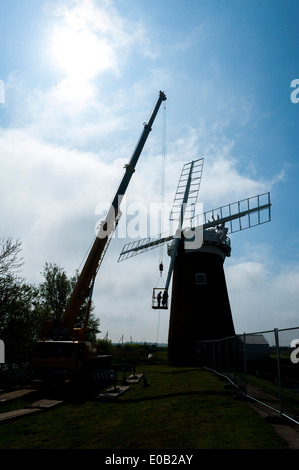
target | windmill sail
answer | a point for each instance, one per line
(183, 207)
(237, 216)
(193, 171)
(142, 245)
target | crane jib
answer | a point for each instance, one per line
(130, 168)
(83, 287)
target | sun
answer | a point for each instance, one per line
(80, 53)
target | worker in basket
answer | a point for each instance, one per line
(159, 298)
(165, 299)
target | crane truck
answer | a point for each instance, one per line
(71, 352)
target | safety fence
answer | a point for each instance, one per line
(263, 366)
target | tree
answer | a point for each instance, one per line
(9, 256)
(55, 292)
(20, 317)
(19, 305)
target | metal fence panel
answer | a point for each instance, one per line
(263, 365)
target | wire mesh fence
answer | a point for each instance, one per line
(264, 366)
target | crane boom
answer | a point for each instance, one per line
(85, 281)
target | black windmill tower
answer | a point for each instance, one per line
(200, 307)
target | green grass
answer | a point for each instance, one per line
(183, 408)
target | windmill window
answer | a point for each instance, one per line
(200, 279)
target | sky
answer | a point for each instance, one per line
(78, 78)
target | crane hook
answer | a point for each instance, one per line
(161, 268)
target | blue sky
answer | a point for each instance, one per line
(80, 78)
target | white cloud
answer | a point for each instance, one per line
(90, 38)
(189, 41)
(50, 191)
(247, 273)
(88, 44)
(52, 210)
(262, 299)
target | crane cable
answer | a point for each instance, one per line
(162, 190)
(161, 212)
(162, 197)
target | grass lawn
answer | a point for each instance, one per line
(183, 408)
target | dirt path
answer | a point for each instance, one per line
(285, 428)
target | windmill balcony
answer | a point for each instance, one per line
(211, 237)
(217, 238)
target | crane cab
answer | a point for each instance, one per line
(160, 298)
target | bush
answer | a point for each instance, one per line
(124, 354)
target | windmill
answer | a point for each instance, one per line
(200, 307)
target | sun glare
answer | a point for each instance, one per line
(80, 54)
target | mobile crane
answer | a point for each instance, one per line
(71, 351)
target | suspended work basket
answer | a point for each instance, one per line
(160, 298)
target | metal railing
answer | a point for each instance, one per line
(263, 366)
